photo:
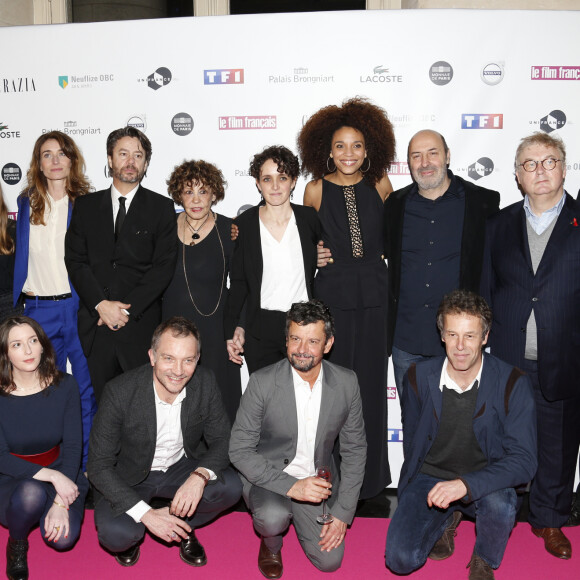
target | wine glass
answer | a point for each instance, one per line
(323, 471)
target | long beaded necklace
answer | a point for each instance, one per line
(223, 258)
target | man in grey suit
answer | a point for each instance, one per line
(161, 431)
(290, 417)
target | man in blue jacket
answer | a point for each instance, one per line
(469, 430)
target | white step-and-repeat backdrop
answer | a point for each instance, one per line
(223, 88)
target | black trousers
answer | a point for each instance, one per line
(558, 442)
(119, 533)
(270, 346)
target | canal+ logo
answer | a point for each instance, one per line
(482, 121)
(223, 76)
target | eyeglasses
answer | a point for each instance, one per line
(548, 164)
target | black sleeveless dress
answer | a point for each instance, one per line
(355, 288)
(206, 276)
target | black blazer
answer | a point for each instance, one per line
(512, 289)
(247, 265)
(124, 433)
(480, 203)
(135, 269)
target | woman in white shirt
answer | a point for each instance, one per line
(55, 179)
(274, 261)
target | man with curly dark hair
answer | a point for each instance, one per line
(434, 238)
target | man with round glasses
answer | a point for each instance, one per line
(531, 280)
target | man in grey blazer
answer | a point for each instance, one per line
(290, 417)
(161, 431)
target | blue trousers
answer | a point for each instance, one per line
(401, 362)
(416, 527)
(59, 321)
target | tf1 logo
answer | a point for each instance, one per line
(482, 121)
(223, 76)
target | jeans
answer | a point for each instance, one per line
(401, 362)
(416, 527)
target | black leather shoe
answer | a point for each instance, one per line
(129, 557)
(16, 559)
(192, 552)
(574, 519)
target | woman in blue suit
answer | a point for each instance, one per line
(55, 179)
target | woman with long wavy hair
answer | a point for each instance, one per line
(40, 445)
(55, 179)
(348, 150)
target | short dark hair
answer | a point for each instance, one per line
(286, 161)
(118, 134)
(179, 327)
(47, 369)
(465, 302)
(311, 312)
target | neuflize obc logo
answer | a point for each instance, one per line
(223, 76)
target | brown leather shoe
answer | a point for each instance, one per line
(269, 564)
(479, 569)
(555, 541)
(445, 545)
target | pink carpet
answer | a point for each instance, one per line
(232, 549)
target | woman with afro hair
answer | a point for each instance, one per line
(348, 150)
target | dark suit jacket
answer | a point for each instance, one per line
(135, 269)
(504, 424)
(265, 433)
(247, 265)
(124, 432)
(480, 203)
(512, 290)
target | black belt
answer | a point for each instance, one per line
(53, 298)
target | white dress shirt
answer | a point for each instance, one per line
(308, 411)
(115, 195)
